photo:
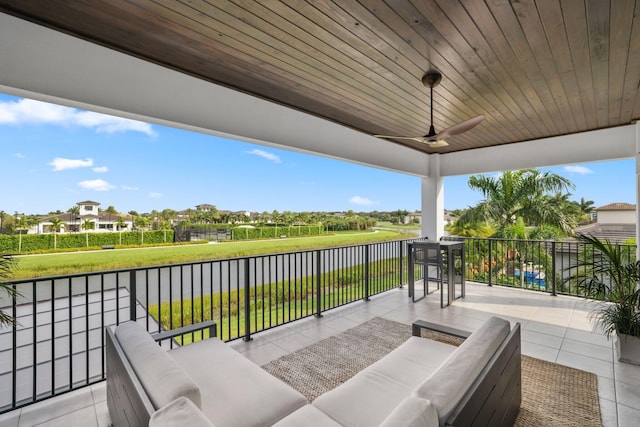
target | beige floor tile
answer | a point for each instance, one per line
(585, 363)
(57, 407)
(628, 417)
(85, 417)
(593, 350)
(628, 395)
(609, 413)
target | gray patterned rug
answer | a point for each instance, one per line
(552, 394)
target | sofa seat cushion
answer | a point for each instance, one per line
(371, 395)
(235, 391)
(162, 378)
(307, 416)
(412, 412)
(447, 386)
(180, 412)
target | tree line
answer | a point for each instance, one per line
(522, 204)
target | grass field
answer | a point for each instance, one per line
(30, 266)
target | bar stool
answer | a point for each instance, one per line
(429, 255)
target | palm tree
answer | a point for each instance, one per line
(120, 224)
(7, 265)
(586, 206)
(74, 211)
(21, 224)
(56, 225)
(519, 194)
(87, 225)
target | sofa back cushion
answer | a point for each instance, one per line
(446, 387)
(162, 378)
(412, 411)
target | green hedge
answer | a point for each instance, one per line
(272, 232)
(29, 243)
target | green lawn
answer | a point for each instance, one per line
(386, 224)
(30, 266)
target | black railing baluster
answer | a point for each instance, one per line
(86, 328)
(247, 301)
(401, 244)
(14, 353)
(553, 268)
(132, 295)
(34, 343)
(70, 329)
(318, 283)
(490, 267)
(366, 273)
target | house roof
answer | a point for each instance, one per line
(615, 233)
(88, 202)
(617, 207)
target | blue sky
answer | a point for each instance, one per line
(53, 157)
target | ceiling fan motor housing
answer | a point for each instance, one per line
(431, 78)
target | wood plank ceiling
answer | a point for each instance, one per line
(534, 69)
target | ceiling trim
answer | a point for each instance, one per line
(595, 146)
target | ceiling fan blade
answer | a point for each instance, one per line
(424, 139)
(459, 128)
(438, 144)
(411, 138)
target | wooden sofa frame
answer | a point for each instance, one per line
(494, 397)
(129, 405)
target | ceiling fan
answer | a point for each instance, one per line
(433, 139)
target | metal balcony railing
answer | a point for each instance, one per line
(539, 265)
(57, 344)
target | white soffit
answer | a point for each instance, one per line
(594, 146)
(42, 64)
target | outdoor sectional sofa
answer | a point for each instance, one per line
(421, 383)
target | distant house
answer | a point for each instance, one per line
(414, 217)
(88, 213)
(205, 207)
(615, 222)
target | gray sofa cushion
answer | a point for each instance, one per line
(371, 395)
(235, 391)
(162, 378)
(412, 412)
(446, 387)
(180, 412)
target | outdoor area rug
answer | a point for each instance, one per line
(552, 394)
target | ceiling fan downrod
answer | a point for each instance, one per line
(431, 79)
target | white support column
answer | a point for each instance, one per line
(433, 200)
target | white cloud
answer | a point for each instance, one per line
(264, 154)
(362, 201)
(155, 195)
(96, 185)
(578, 169)
(101, 169)
(60, 164)
(19, 156)
(29, 111)
(129, 188)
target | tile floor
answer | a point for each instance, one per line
(553, 328)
